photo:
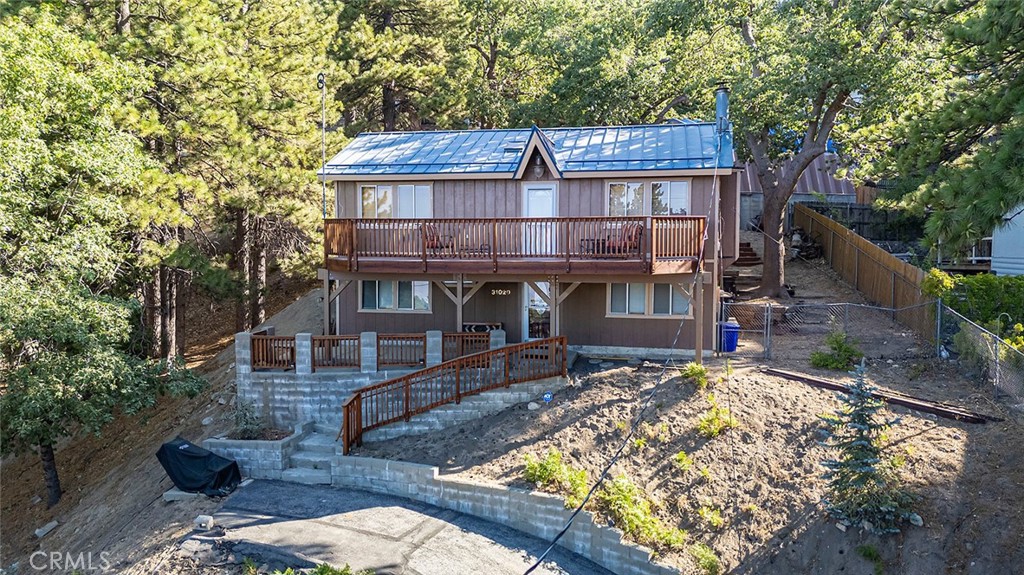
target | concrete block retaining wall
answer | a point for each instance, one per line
(537, 514)
(260, 459)
(288, 397)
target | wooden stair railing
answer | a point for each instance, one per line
(403, 397)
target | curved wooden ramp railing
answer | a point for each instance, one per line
(403, 397)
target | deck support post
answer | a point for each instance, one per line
(698, 320)
(556, 310)
(326, 299)
(459, 302)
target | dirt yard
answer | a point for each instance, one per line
(764, 476)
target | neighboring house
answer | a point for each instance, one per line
(1008, 245)
(819, 181)
(592, 233)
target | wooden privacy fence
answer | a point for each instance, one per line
(878, 275)
(403, 397)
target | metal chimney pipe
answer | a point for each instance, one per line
(722, 108)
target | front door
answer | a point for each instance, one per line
(539, 201)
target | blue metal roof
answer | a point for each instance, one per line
(673, 146)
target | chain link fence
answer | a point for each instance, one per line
(793, 332)
(981, 355)
(770, 331)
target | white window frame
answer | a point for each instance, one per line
(395, 309)
(668, 184)
(647, 189)
(648, 304)
(396, 202)
(645, 207)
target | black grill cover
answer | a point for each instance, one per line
(195, 469)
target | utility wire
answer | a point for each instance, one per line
(698, 276)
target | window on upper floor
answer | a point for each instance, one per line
(626, 199)
(410, 201)
(668, 198)
(394, 296)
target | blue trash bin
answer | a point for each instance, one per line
(730, 335)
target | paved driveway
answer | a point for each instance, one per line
(300, 525)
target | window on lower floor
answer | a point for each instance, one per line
(394, 296)
(640, 299)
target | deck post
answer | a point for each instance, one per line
(556, 313)
(368, 352)
(243, 354)
(326, 298)
(459, 301)
(435, 347)
(698, 320)
(497, 338)
(303, 353)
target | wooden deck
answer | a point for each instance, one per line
(591, 246)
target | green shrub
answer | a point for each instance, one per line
(551, 474)
(629, 509)
(870, 552)
(712, 516)
(683, 461)
(248, 423)
(325, 569)
(715, 420)
(863, 485)
(981, 298)
(696, 373)
(706, 559)
(842, 354)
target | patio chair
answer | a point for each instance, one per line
(626, 240)
(435, 242)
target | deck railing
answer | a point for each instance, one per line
(336, 351)
(341, 351)
(273, 352)
(401, 398)
(460, 344)
(405, 349)
(660, 238)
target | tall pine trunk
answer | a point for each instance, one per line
(169, 310)
(153, 314)
(243, 266)
(53, 490)
(179, 304)
(259, 272)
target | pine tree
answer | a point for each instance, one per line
(864, 487)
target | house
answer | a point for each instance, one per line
(1008, 244)
(595, 233)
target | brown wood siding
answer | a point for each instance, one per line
(584, 322)
(482, 307)
(507, 309)
(504, 198)
(584, 319)
(730, 218)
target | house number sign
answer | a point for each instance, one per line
(501, 292)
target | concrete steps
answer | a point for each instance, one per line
(471, 408)
(311, 463)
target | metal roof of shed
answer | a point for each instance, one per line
(499, 153)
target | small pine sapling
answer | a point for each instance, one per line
(864, 487)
